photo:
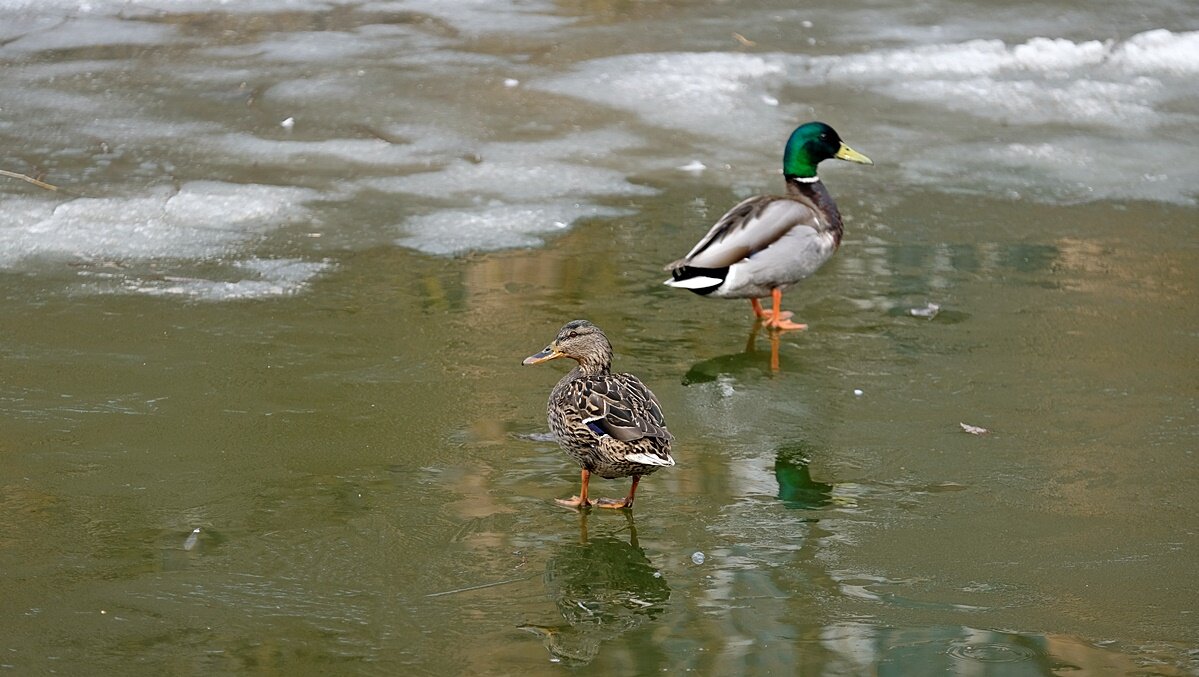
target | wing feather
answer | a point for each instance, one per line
(621, 406)
(748, 228)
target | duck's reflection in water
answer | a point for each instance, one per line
(603, 587)
(749, 360)
(797, 489)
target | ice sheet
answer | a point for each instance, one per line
(1036, 108)
(703, 93)
(512, 193)
(494, 226)
(263, 278)
(201, 219)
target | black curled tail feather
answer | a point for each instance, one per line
(684, 273)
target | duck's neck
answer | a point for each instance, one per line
(562, 390)
(591, 366)
(811, 189)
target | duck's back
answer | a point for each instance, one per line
(610, 424)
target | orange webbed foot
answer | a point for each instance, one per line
(614, 503)
(780, 319)
(574, 502)
(784, 323)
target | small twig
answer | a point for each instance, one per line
(745, 42)
(377, 134)
(479, 587)
(252, 96)
(28, 179)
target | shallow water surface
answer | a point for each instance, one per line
(263, 401)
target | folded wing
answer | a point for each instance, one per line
(621, 406)
(748, 228)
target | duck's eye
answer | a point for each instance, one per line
(572, 334)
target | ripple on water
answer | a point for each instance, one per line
(992, 652)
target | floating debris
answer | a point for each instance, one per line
(695, 167)
(511, 82)
(928, 312)
(973, 429)
(28, 179)
(192, 539)
(697, 557)
(288, 123)
(481, 586)
(857, 392)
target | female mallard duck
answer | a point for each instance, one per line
(610, 424)
(770, 242)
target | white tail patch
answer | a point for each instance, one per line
(650, 459)
(694, 282)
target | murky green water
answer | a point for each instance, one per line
(363, 454)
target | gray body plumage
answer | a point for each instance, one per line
(765, 242)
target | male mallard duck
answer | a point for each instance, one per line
(610, 424)
(768, 243)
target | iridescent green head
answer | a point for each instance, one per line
(812, 143)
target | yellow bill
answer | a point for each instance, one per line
(847, 153)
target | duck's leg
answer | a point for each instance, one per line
(579, 501)
(752, 341)
(758, 311)
(626, 502)
(781, 319)
(762, 314)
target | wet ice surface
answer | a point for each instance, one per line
(448, 128)
(474, 167)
